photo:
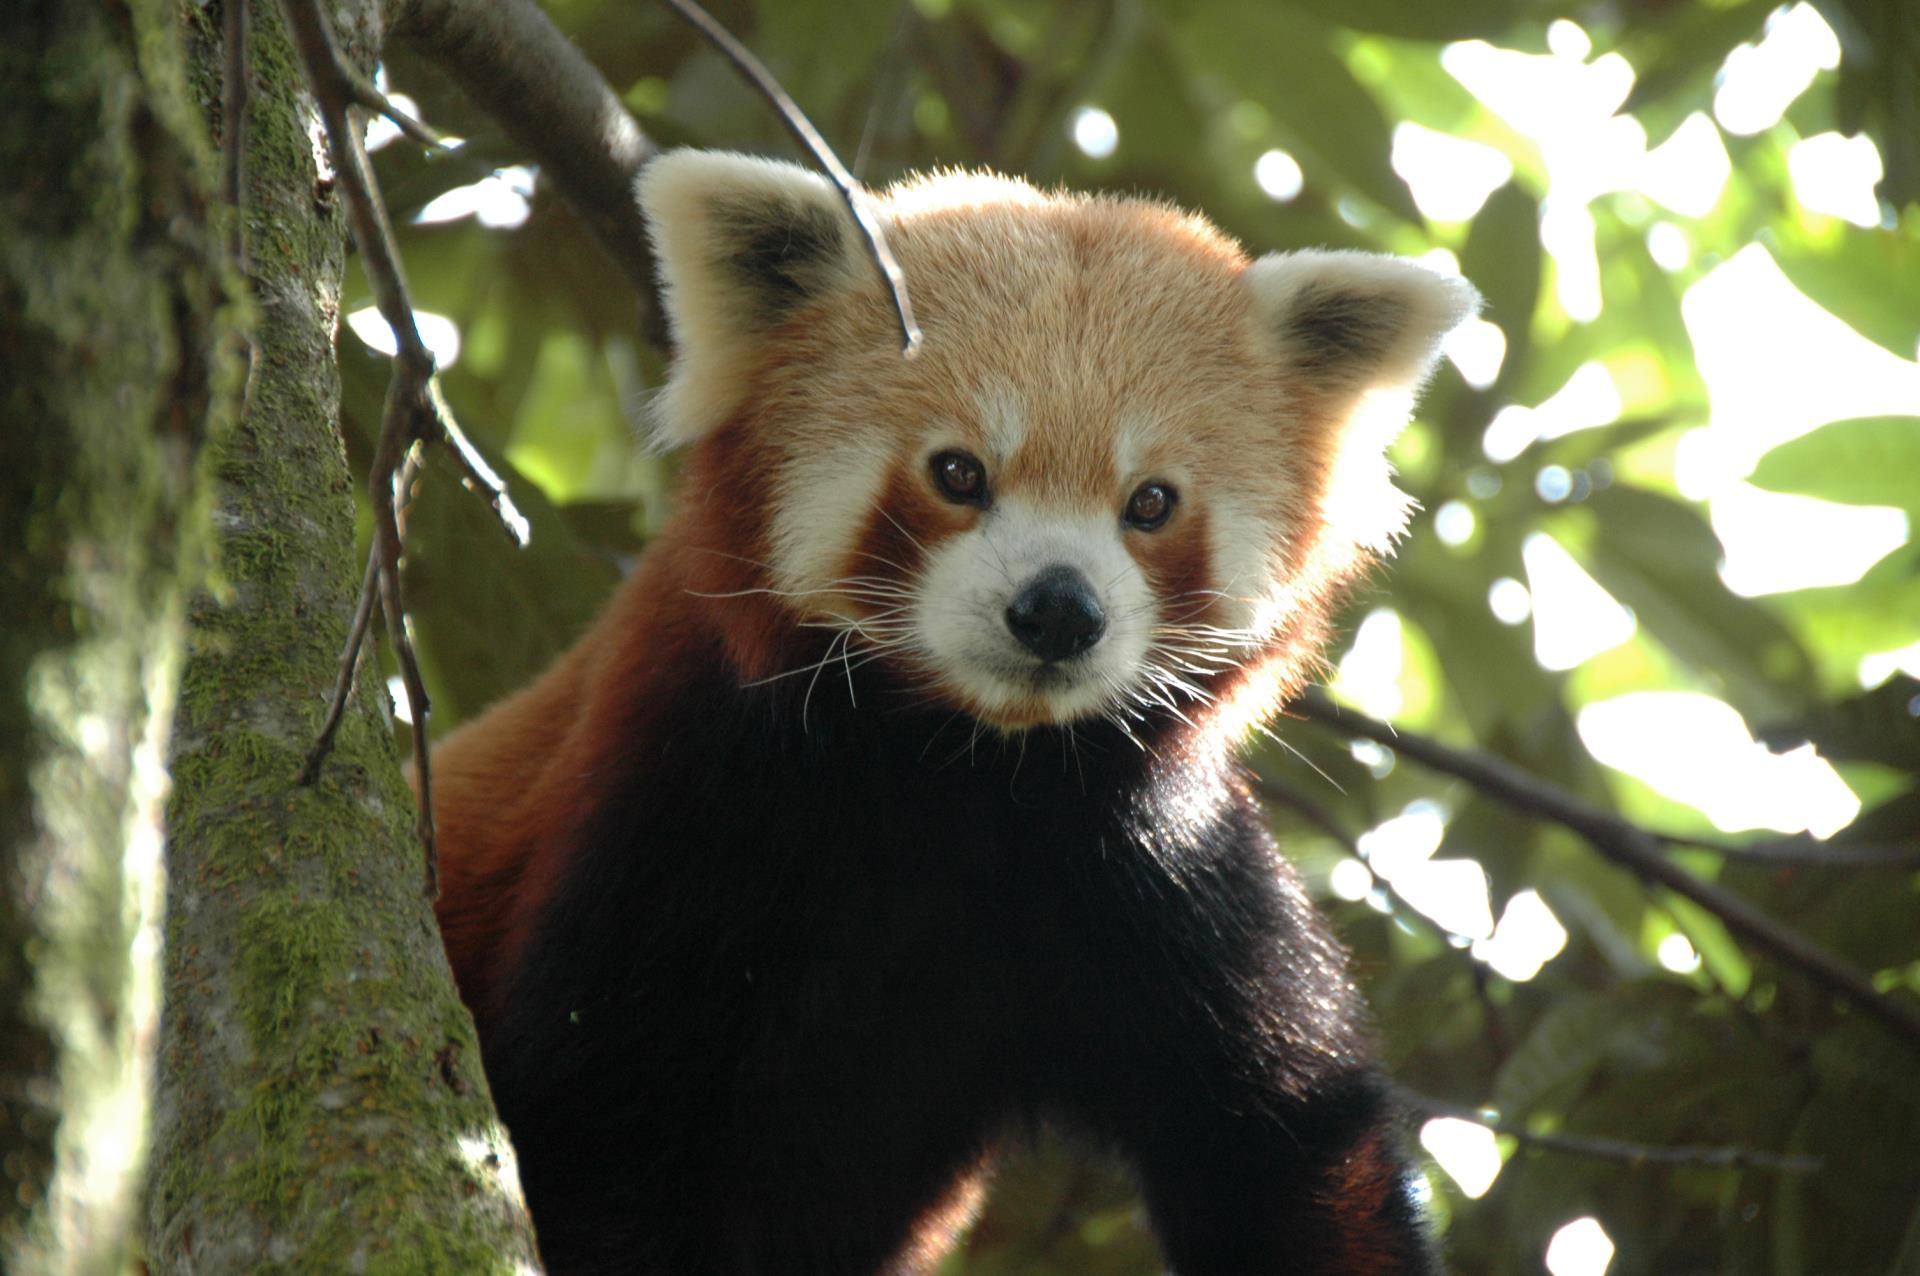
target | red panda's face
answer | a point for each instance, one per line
(1127, 464)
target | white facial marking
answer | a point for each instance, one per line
(959, 621)
(1130, 447)
(1241, 552)
(824, 501)
(1003, 418)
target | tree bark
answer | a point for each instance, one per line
(111, 358)
(321, 1103)
(510, 59)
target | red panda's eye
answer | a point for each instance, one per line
(1150, 505)
(960, 477)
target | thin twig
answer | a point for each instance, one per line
(416, 412)
(1284, 794)
(815, 145)
(344, 679)
(1307, 809)
(333, 91)
(356, 638)
(1627, 845)
(427, 416)
(1633, 1154)
(1804, 852)
(387, 543)
(475, 474)
(367, 96)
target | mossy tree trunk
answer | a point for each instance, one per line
(112, 375)
(321, 1104)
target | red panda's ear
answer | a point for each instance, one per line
(740, 242)
(1359, 333)
(1357, 322)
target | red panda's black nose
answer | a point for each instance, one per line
(1057, 616)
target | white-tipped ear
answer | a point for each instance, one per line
(1359, 333)
(740, 243)
(1358, 322)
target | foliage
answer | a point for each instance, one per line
(1605, 1040)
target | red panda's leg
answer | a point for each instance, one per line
(1322, 1190)
(881, 1218)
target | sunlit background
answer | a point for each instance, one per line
(1671, 348)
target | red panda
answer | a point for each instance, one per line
(892, 809)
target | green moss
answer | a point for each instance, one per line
(117, 343)
(313, 1108)
(288, 948)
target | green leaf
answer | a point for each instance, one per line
(1866, 279)
(1891, 821)
(1567, 1044)
(1722, 956)
(1420, 1005)
(823, 54)
(1285, 60)
(1676, 60)
(1877, 613)
(1866, 461)
(1879, 89)
(1502, 258)
(1659, 557)
(1881, 725)
(1460, 20)
(1508, 277)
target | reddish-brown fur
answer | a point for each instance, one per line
(510, 787)
(591, 798)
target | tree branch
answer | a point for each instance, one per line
(415, 411)
(349, 665)
(815, 145)
(1283, 794)
(367, 96)
(356, 636)
(1633, 1154)
(1628, 846)
(513, 62)
(1804, 851)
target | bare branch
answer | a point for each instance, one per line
(416, 411)
(1284, 794)
(815, 145)
(1629, 846)
(349, 666)
(356, 637)
(367, 96)
(511, 60)
(1805, 852)
(334, 93)
(1632, 1154)
(475, 474)
(387, 542)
